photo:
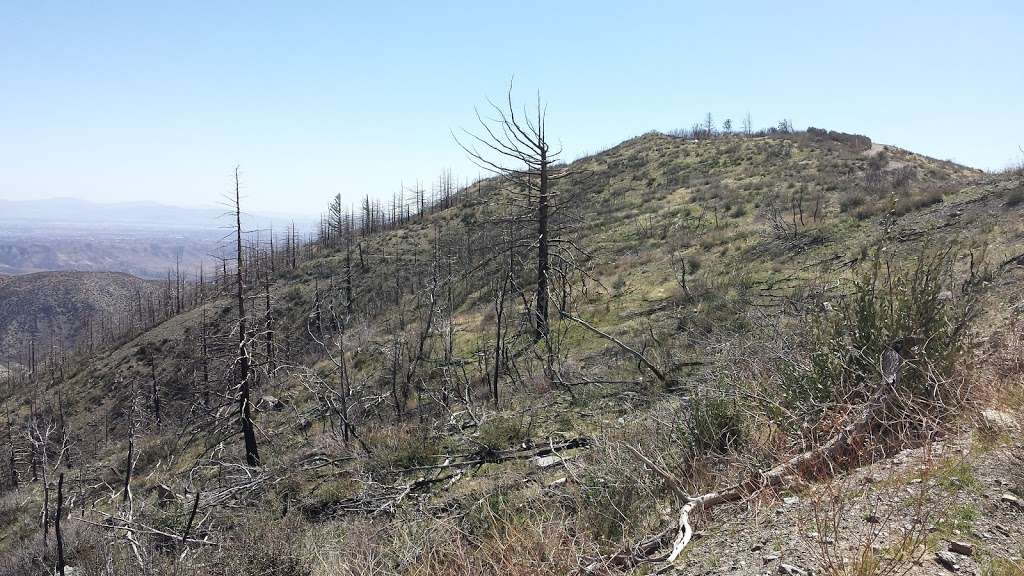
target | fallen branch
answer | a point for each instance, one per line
(633, 351)
(837, 452)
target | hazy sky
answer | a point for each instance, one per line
(116, 101)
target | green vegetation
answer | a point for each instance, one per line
(719, 303)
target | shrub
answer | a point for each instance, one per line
(400, 449)
(922, 199)
(499, 432)
(906, 310)
(260, 546)
(1015, 197)
(716, 424)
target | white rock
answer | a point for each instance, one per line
(547, 461)
(998, 422)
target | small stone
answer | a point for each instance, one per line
(962, 548)
(947, 560)
(770, 558)
(790, 500)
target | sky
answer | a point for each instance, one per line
(117, 101)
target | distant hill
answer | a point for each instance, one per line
(58, 307)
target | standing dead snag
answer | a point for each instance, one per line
(252, 455)
(56, 524)
(524, 140)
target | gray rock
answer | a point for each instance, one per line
(998, 422)
(547, 461)
(962, 548)
(947, 560)
(269, 402)
(792, 570)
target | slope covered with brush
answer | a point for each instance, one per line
(724, 314)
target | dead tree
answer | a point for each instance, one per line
(252, 455)
(523, 140)
(56, 525)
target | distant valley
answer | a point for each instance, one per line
(140, 238)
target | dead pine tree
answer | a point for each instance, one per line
(521, 139)
(252, 455)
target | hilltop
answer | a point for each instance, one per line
(721, 306)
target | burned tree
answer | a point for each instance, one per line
(252, 455)
(522, 139)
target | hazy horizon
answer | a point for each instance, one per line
(121, 102)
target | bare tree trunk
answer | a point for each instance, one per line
(155, 393)
(252, 455)
(56, 525)
(541, 300)
(269, 328)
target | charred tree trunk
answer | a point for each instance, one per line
(56, 525)
(252, 455)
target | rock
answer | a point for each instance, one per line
(1010, 499)
(998, 422)
(962, 548)
(547, 461)
(269, 402)
(947, 560)
(770, 558)
(791, 570)
(791, 500)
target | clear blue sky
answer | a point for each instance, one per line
(134, 100)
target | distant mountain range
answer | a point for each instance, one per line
(73, 212)
(141, 238)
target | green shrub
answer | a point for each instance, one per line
(906, 310)
(923, 198)
(500, 432)
(1015, 197)
(401, 449)
(715, 424)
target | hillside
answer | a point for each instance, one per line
(805, 327)
(59, 310)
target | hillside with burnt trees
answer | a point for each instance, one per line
(707, 351)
